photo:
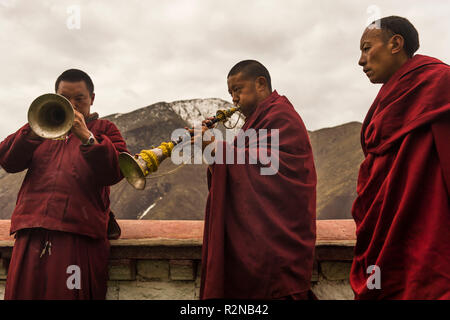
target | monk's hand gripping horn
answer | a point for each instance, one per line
(136, 168)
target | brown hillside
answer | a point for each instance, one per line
(337, 156)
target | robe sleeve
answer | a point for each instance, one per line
(103, 157)
(441, 134)
(16, 151)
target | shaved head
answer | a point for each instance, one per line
(384, 48)
(251, 70)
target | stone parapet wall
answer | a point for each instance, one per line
(160, 260)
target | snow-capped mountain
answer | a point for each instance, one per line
(196, 110)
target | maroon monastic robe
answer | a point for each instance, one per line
(63, 203)
(40, 271)
(402, 211)
(259, 235)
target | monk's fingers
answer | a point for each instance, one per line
(78, 121)
(78, 116)
(206, 123)
(191, 131)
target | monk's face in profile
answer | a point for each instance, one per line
(78, 95)
(244, 92)
(377, 57)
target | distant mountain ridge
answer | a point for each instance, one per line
(182, 195)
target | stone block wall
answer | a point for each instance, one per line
(3, 273)
(331, 281)
(160, 260)
(154, 280)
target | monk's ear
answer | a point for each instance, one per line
(92, 98)
(397, 43)
(261, 83)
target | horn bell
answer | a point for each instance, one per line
(132, 170)
(51, 116)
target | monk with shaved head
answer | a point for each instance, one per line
(402, 211)
(260, 233)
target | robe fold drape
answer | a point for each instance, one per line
(259, 233)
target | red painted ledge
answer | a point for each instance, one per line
(190, 232)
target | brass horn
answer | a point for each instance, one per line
(51, 116)
(136, 168)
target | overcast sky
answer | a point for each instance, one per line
(141, 52)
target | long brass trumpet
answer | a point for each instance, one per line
(136, 168)
(51, 116)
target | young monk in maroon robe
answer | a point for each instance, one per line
(61, 216)
(259, 235)
(402, 211)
